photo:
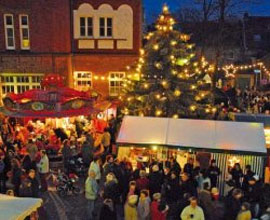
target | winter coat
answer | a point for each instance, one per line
(213, 173)
(244, 215)
(95, 167)
(173, 190)
(142, 183)
(232, 207)
(87, 152)
(143, 209)
(43, 165)
(205, 201)
(155, 213)
(189, 186)
(107, 212)
(91, 189)
(131, 208)
(111, 191)
(155, 182)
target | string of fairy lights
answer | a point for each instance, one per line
(231, 70)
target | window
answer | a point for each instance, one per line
(116, 83)
(105, 27)
(24, 32)
(19, 83)
(86, 26)
(257, 37)
(83, 81)
(9, 31)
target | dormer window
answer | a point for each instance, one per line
(105, 27)
(86, 26)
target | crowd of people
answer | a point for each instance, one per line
(243, 101)
(146, 190)
(168, 192)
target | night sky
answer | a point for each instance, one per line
(153, 7)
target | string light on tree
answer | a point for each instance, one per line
(170, 75)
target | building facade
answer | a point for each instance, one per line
(90, 42)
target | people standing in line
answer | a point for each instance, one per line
(213, 173)
(43, 166)
(91, 193)
(193, 211)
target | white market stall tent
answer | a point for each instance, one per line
(225, 141)
(16, 208)
(201, 134)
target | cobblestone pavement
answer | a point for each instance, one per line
(70, 207)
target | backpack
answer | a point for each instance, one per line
(2, 166)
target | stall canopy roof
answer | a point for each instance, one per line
(201, 134)
(14, 208)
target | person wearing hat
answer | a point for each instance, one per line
(131, 208)
(213, 173)
(158, 209)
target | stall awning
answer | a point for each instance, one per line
(201, 134)
(15, 208)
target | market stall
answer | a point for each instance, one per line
(161, 138)
(15, 208)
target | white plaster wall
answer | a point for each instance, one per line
(122, 24)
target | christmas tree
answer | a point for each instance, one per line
(168, 80)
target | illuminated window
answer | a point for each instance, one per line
(105, 27)
(83, 80)
(116, 81)
(9, 32)
(24, 32)
(86, 26)
(19, 83)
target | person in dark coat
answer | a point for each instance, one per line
(66, 153)
(254, 195)
(107, 210)
(155, 180)
(233, 204)
(111, 189)
(87, 152)
(189, 166)
(247, 176)
(175, 167)
(173, 189)
(30, 186)
(237, 174)
(16, 174)
(213, 173)
(188, 185)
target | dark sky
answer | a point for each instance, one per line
(153, 7)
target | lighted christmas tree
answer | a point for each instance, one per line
(168, 80)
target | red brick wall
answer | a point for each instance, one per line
(49, 23)
(101, 66)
